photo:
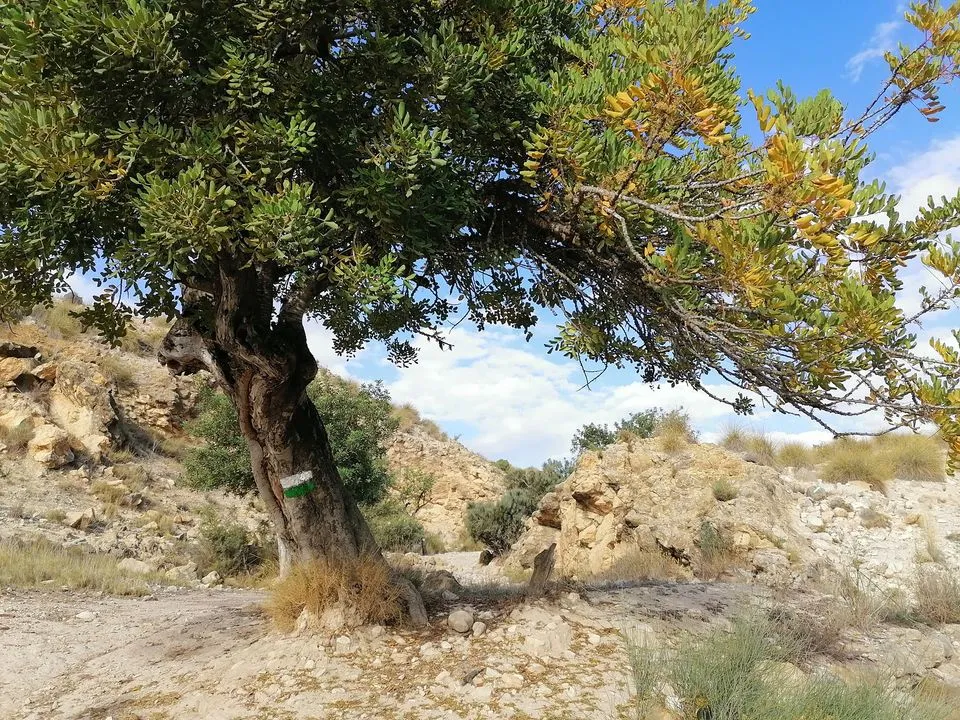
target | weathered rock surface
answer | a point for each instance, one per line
(641, 496)
(461, 477)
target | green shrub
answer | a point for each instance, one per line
(498, 524)
(594, 436)
(724, 490)
(412, 488)
(393, 527)
(227, 547)
(358, 423)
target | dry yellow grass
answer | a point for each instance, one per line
(913, 457)
(724, 490)
(59, 319)
(795, 455)
(33, 564)
(638, 564)
(938, 597)
(118, 370)
(856, 461)
(674, 432)
(16, 438)
(364, 587)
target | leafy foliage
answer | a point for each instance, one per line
(593, 436)
(498, 524)
(393, 527)
(366, 163)
(357, 418)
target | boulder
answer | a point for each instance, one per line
(80, 520)
(212, 578)
(47, 372)
(80, 403)
(138, 567)
(437, 582)
(50, 446)
(13, 368)
(636, 496)
(460, 621)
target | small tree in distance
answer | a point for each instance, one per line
(380, 167)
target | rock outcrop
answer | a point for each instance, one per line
(633, 496)
(461, 477)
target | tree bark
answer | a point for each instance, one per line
(265, 369)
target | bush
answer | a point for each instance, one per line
(716, 555)
(412, 488)
(674, 430)
(393, 527)
(358, 423)
(363, 587)
(498, 524)
(743, 674)
(724, 490)
(938, 597)
(227, 548)
(594, 436)
(855, 461)
(914, 457)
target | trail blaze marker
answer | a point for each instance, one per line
(297, 485)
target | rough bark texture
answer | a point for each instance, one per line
(264, 364)
(543, 565)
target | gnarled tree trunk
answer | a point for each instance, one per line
(265, 366)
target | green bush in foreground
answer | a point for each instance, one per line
(743, 675)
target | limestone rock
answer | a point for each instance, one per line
(636, 495)
(12, 368)
(80, 404)
(212, 578)
(80, 520)
(50, 446)
(461, 621)
(139, 567)
(461, 477)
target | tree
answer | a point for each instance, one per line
(378, 166)
(358, 419)
(594, 436)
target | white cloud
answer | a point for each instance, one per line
(522, 405)
(884, 39)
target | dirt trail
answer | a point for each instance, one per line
(68, 655)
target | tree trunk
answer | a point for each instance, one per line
(267, 383)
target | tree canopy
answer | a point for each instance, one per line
(384, 167)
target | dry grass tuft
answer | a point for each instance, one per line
(856, 461)
(59, 319)
(639, 564)
(119, 371)
(408, 417)
(932, 552)
(914, 457)
(938, 597)
(32, 564)
(674, 431)
(724, 490)
(717, 556)
(16, 438)
(735, 438)
(795, 455)
(365, 588)
(107, 493)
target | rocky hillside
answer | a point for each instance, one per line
(460, 477)
(93, 431)
(701, 503)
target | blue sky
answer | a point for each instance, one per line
(507, 398)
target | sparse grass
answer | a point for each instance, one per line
(55, 515)
(724, 490)
(914, 457)
(407, 417)
(163, 521)
(134, 476)
(811, 632)
(735, 438)
(855, 461)
(59, 319)
(866, 603)
(16, 438)
(31, 564)
(107, 493)
(119, 371)
(227, 548)
(937, 597)
(120, 456)
(638, 564)
(674, 431)
(717, 557)
(743, 674)
(761, 449)
(795, 455)
(435, 544)
(365, 588)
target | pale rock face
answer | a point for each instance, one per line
(12, 367)
(461, 476)
(50, 446)
(641, 496)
